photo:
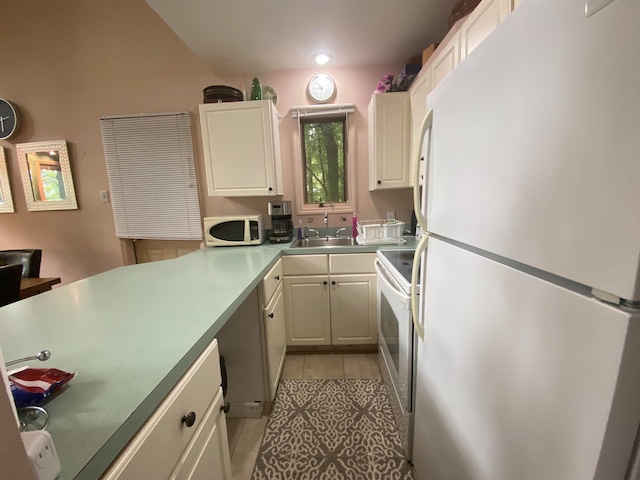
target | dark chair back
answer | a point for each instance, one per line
(29, 259)
(10, 276)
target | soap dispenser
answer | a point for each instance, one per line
(300, 230)
(354, 225)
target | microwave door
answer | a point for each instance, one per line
(229, 231)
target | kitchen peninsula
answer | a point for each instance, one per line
(130, 334)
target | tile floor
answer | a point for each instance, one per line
(245, 434)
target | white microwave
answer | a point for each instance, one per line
(231, 231)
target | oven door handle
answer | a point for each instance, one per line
(415, 308)
(393, 285)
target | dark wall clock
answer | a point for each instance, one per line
(8, 120)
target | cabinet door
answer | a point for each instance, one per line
(157, 447)
(389, 124)
(306, 311)
(353, 309)
(418, 96)
(275, 339)
(241, 146)
(207, 456)
(447, 57)
(480, 23)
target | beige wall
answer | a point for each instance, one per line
(66, 64)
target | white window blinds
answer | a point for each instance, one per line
(152, 176)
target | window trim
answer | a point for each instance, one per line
(350, 163)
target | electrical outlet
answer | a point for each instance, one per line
(104, 196)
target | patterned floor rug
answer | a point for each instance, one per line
(331, 430)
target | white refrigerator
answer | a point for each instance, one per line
(527, 366)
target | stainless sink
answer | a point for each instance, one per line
(318, 242)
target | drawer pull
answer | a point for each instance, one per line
(225, 408)
(324, 283)
(333, 282)
(271, 315)
(189, 419)
(277, 277)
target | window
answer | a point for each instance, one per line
(325, 169)
(324, 145)
(152, 176)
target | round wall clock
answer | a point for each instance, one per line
(321, 88)
(8, 119)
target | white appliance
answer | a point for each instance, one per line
(395, 335)
(529, 347)
(233, 231)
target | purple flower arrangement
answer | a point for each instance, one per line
(387, 84)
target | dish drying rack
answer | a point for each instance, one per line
(380, 232)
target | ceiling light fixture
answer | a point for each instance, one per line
(322, 58)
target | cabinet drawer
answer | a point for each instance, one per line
(207, 456)
(271, 281)
(305, 265)
(157, 447)
(352, 263)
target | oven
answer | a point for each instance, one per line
(395, 336)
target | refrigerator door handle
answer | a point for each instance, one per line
(427, 123)
(420, 249)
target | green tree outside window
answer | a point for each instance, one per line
(323, 155)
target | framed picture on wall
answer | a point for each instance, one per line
(46, 175)
(6, 201)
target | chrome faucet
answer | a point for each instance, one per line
(311, 230)
(326, 224)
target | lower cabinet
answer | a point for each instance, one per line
(186, 435)
(307, 310)
(253, 345)
(207, 456)
(335, 304)
(275, 339)
(353, 309)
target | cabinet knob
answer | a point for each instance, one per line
(333, 282)
(379, 182)
(225, 407)
(277, 277)
(189, 419)
(324, 283)
(270, 189)
(271, 315)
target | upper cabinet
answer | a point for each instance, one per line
(440, 64)
(418, 99)
(459, 42)
(389, 124)
(241, 146)
(481, 22)
(446, 57)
